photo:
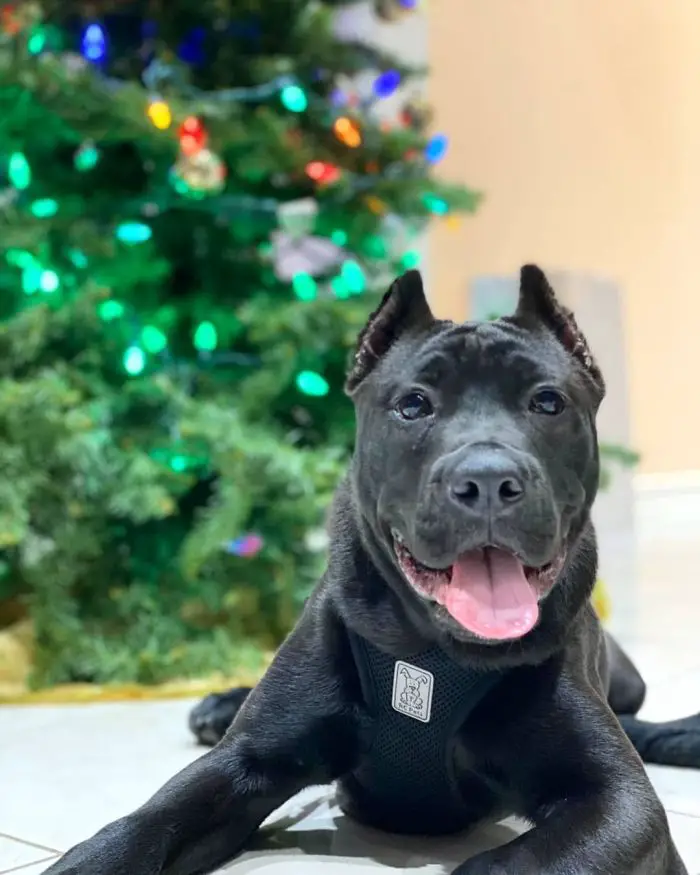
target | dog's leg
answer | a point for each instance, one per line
(300, 726)
(627, 689)
(592, 805)
(210, 718)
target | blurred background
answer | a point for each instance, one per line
(199, 209)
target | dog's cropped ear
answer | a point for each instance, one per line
(537, 303)
(404, 309)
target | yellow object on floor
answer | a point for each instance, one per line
(601, 601)
(15, 651)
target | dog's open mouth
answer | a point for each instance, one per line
(488, 591)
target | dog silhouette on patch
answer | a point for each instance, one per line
(411, 693)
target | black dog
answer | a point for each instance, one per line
(449, 667)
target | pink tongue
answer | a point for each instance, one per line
(490, 595)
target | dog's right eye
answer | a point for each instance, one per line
(414, 406)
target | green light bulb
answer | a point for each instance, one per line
(304, 286)
(354, 277)
(410, 259)
(339, 237)
(153, 339)
(19, 171)
(311, 383)
(48, 281)
(19, 258)
(110, 310)
(134, 360)
(133, 232)
(205, 337)
(36, 41)
(44, 208)
(436, 205)
(293, 98)
(31, 278)
(78, 258)
(340, 287)
(86, 157)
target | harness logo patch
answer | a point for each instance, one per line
(413, 691)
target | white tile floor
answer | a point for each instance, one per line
(51, 756)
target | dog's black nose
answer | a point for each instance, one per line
(484, 479)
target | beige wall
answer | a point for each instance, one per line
(580, 120)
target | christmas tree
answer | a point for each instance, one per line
(199, 209)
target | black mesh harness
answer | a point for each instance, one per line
(405, 782)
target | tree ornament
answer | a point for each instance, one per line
(417, 113)
(323, 172)
(312, 256)
(193, 136)
(394, 10)
(298, 217)
(16, 17)
(201, 173)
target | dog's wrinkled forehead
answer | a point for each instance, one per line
(478, 351)
(541, 340)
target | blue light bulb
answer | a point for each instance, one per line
(436, 148)
(387, 83)
(94, 43)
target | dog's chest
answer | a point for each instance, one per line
(406, 781)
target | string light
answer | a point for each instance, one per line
(133, 232)
(108, 311)
(192, 135)
(387, 83)
(339, 287)
(48, 281)
(134, 360)
(36, 41)
(339, 237)
(78, 258)
(153, 339)
(159, 113)
(436, 148)
(86, 157)
(246, 546)
(19, 257)
(94, 43)
(376, 205)
(436, 205)
(31, 278)
(205, 337)
(410, 259)
(44, 208)
(322, 172)
(311, 383)
(19, 171)
(354, 277)
(348, 132)
(304, 286)
(293, 98)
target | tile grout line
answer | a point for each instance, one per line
(27, 865)
(4, 835)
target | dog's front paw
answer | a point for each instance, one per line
(210, 719)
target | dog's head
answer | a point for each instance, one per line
(476, 460)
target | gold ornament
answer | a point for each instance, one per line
(394, 10)
(417, 113)
(204, 172)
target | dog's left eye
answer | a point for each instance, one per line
(414, 406)
(548, 402)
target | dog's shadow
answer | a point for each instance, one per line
(315, 828)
